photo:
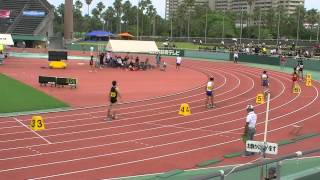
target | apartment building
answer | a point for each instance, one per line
(172, 6)
(264, 5)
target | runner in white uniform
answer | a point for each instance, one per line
(178, 63)
(209, 93)
(265, 83)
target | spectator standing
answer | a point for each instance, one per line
(301, 66)
(282, 61)
(101, 59)
(250, 127)
(158, 60)
(91, 62)
(235, 56)
(178, 62)
(1, 57)
(91, 50)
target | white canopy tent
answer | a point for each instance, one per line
(132, 46)
(6, 39)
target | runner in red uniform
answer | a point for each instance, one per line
(295, 79)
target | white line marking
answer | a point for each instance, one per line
(309, 103)
(162, 120)
(197, 169)
(32, 130)
(93, 130)
(153, 158)
(160, 145)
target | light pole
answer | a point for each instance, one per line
(318, 26)
(222, 36)
(259, 26)
(278, 34)
(138, 20)
(318, 32)
(298, 26)
(241, 25)
(206, 27)
(189, 25)
(171, 25)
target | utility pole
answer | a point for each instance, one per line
(138, 20)
(206, 27)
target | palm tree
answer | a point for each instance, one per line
(100, 7)
(118, 6)
(126, 13)
(312, 17)
(108, 17)
(151, 13)
(78, 4)
(143, 4)
(88, 2)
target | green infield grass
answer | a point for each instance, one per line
(18, 97)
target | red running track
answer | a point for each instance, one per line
(150, 136)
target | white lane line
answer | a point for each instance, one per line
(136, 161)
(93, 130)
(157, 136)
(33, 150)
(274, 118)
(132, 112)
(197, 169)
(153, 158)
(32, 130)
(192, 129)
(153, 137)
(90, 138)
(124, 108)
(134, 101)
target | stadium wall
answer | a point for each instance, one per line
(309, 64)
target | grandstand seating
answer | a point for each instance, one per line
(19, 24)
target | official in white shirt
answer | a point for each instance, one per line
(178, 62)
(250, 128)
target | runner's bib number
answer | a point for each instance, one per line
(113, 94)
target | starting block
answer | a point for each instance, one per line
(185, 110)
(260, 98)
(37, 123)
(296, 89)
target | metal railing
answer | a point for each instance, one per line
(221, 174)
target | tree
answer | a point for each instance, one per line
(312, 17)
(109, 18)
(143, 5)
(77, 16)
(88, 3)
(78, 4)
(127, 13)
(151, 13)
(58, 18)
(117, 6)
